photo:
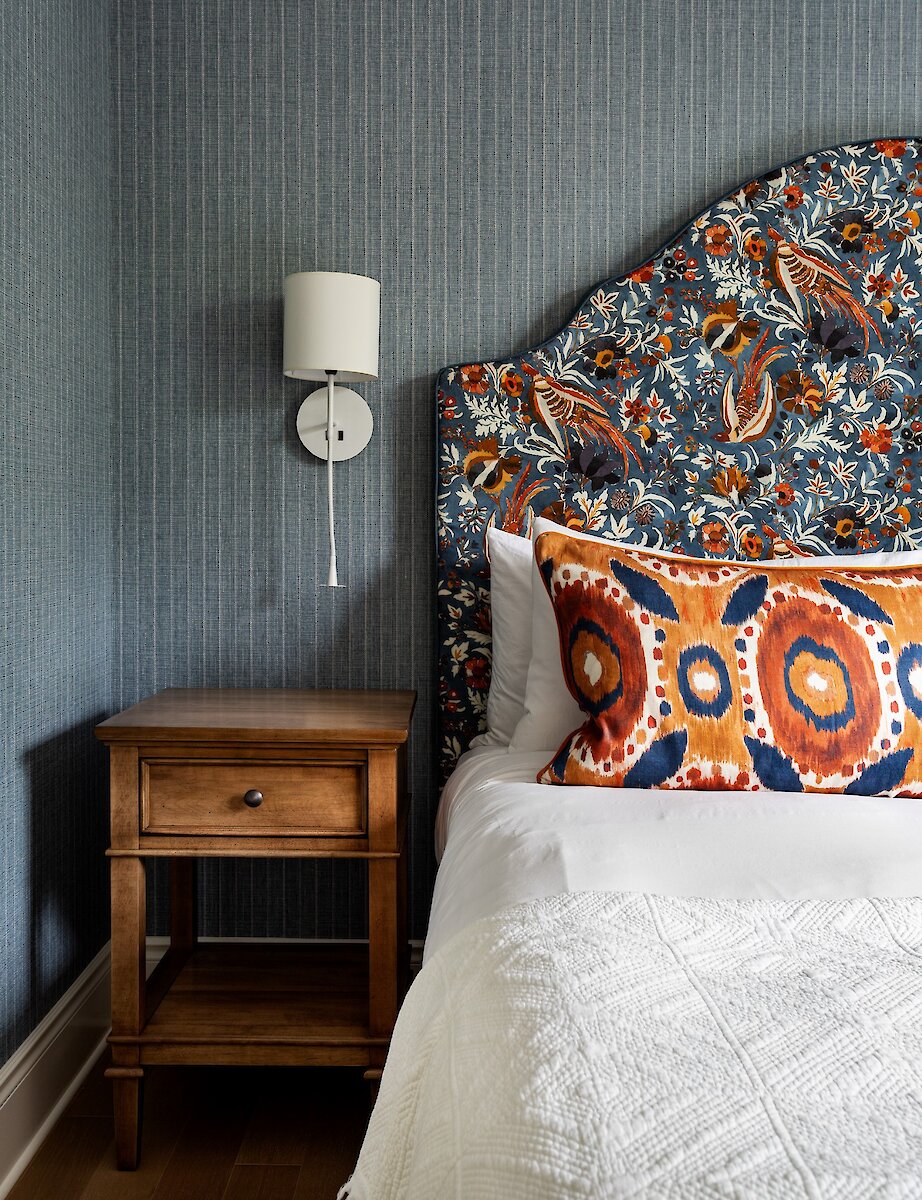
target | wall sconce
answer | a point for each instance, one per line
(331, 332)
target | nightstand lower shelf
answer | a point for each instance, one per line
(253, 1004)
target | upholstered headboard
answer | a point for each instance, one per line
(753, 391)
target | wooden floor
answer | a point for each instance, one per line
(210, 1133)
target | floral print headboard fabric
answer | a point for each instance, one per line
(753, 391)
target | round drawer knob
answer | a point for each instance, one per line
(252, 798)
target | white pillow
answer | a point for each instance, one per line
(511, 560)
(550, 712)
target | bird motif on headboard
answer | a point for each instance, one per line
(752, 391)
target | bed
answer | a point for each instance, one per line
(669, 990)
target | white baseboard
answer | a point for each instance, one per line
(40, 1079)
(38, 1082)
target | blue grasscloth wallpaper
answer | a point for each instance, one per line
(57, 619)
(488, 162)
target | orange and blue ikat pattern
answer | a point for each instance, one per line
(704, 675)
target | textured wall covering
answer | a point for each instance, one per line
(488, 162)
(56, 493)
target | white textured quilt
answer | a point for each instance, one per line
(622, 1044)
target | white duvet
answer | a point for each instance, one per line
(619, 1044)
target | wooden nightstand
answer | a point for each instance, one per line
(254, 773)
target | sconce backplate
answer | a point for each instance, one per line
(352, 423)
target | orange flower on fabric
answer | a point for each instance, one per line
(474, 379)
(513, 383)
(793, 196)
(643, 274)
(730, 481)
(892, 147)
(756, 247)
(636, 410)
(717, 240)
(879, 439)
(477, 672)
(714, 537)
(784, 494)
(879, 285)
(752, 545)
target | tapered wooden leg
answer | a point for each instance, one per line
(386, 903)
(127, 1093)
(129, 896)
(383, 965)
(373, 1078)
(403, 941)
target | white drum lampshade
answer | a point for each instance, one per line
(331, 324)
(331, 333)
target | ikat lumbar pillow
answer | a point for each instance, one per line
(698, 674)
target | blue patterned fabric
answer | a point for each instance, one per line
(753, 391)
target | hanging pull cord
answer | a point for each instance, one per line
(332, 579)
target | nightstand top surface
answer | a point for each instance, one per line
(265, 714)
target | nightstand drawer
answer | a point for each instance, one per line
(206, 796)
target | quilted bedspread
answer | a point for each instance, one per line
(621, 1044)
